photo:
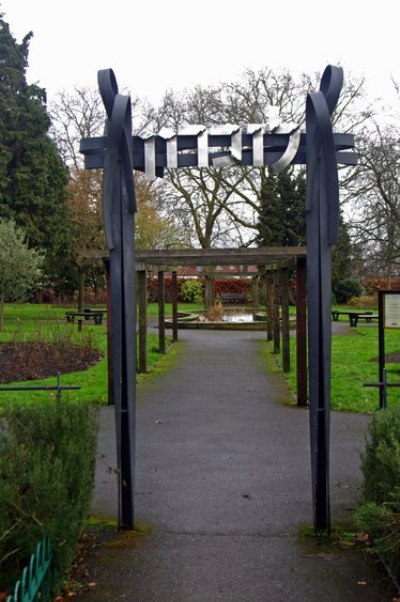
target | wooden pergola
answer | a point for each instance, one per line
(276, 260)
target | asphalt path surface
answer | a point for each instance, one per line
(223, 484)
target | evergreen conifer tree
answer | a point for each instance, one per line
(32, 174)
(282, 215)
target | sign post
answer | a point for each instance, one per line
(389, 318)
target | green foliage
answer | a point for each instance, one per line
(32, 174)
(381, 458)
(192, 291)
(282, 215)
(47, 461)
(20, 267)
(346, 289)
(379, 515)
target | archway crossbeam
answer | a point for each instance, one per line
(223, 146)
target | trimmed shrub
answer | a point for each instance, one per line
(47, 462)
(346, 289)
(379, 515)
(192, 291)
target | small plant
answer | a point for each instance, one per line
(215, 313)
(363, 302)
(192, 291)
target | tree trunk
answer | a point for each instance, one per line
(81, 287)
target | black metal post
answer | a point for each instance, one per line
(322, 207)
(119, 206)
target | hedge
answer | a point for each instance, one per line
(379, 514)
(47, 462)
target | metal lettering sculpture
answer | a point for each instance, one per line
(257, 145)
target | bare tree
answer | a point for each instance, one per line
(221, 207)
(374, 199)
(214, 207)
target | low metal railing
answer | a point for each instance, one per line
(35, 579)
(58, 387)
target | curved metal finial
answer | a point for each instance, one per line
(321, 145)
(331, 85)
(119, 149)
(108, 88)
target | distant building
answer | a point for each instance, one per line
(233, 271)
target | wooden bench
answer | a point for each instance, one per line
(87, 314)
(336, 313)
(354, 316)
(234, 297)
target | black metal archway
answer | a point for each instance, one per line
(319, 148)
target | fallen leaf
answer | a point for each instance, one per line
(345, 543)
(326, 556)
(363, 538)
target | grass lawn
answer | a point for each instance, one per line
(354, 356)
(46, 323)
(354, 361)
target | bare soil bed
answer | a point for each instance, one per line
(32, 361)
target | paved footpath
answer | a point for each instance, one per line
(223, 476)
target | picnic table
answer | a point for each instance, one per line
(354, 316)
(87, 314)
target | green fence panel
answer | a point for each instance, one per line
(34, 580)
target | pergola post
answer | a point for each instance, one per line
(275, 313)
(161, 311)
(301, 331)
(209, 291)
(255, 292)
(269, 306)
(142, 334)
(284, 279)
(174, 299)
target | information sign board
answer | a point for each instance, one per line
(391, 309)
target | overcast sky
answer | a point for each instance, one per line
(154, 45)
